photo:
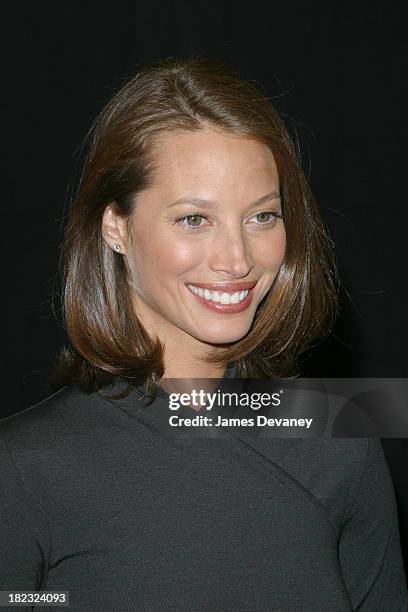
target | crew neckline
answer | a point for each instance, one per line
(133, 402)
(229, 372)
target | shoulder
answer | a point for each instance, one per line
(47, 442)
(56, 416)
(324, 458)
(333, 471)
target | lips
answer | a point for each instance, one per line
(219, 301)
(226, 287)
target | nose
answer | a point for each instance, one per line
(230, 253)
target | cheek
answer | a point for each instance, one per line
(271, 253)
(165, 258)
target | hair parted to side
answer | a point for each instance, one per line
(108, 341)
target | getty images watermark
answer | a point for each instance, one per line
(208, 401)
(286, 408)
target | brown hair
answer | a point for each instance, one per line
(107, 339)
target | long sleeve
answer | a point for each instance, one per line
(369, 547)
(21, 557)
(89, 492)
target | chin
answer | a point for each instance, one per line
(224, 337)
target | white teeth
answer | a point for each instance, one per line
(215, 296)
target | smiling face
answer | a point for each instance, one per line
(208, 232)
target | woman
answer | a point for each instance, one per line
(194, 249)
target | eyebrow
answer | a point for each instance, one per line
(201, 203)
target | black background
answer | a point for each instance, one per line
(337, 72)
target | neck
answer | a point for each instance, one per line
(183, 364)
(184, 355)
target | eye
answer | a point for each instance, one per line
(193, 222)
(190, 222)
(266, 218)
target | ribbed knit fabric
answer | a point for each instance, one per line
(95, 500)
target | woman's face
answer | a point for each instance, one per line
(207, 233)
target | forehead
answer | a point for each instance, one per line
(212, 158)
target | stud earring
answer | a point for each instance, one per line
(116, 248)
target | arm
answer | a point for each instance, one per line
(22, 564)
(369, 545)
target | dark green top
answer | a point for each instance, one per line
(97, 501)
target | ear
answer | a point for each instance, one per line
(114, 230)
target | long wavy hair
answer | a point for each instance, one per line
(107, 339)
